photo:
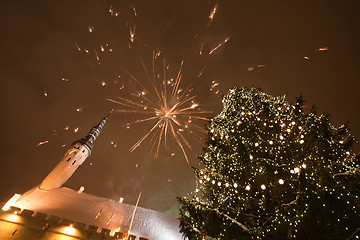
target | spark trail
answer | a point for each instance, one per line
(170, 111)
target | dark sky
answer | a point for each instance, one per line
(267, 46)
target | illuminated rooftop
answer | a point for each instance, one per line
(86, 213)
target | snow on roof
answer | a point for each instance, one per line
(105, 213)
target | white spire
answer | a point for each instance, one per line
(73, 158)
(88, 141)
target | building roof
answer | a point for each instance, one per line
(101, 212)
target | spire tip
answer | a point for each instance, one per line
(112, 110)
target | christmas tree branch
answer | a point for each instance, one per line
(225, 215)
(231, 219)
(343, 173)
(292, 202)
(347, 172)
(352, 235)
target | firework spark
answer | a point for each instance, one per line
(91, 28)
(134, 10)
(132, 33)
(43, 142)
(77, 46)
(97, 55)
(212, 14)
(166, 106)
(219, 45)
(323, 49)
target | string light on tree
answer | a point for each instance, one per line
(287, 174)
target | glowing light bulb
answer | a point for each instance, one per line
(256, 144)
(296, 170)
(281, 181)
(263, 187)
(235, 185)
(251, 157)
(226, 184)
(271, 142)
(304, 165)
(247, 188)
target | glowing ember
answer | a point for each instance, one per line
(323, 49)
(42, 143)
(213, 85)
(91, 28)
(212, 13)
(97, 56)
(77, 46)
(219, 45)
(79, 109)
(134, 10)
(132, 33)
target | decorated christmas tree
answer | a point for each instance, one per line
(273, 171)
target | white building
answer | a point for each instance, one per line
(84, 213)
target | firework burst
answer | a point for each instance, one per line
(170, 111)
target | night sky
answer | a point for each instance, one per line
(47, 84)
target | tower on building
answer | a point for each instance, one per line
(74, 157)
